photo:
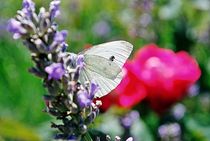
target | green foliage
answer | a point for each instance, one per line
(87, 137)
(112, 127)
(18, 87)
(13, 130)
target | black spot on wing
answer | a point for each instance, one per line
(112, 58)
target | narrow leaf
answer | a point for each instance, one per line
(87, 137)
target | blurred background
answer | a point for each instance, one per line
(173, 24)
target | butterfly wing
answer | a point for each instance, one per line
(103, 64)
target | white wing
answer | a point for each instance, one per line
(103, 64)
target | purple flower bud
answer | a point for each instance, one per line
(170, 131)
(134, 115)
(179, 111)
(80, 61)
(128, 120)
(15, 27)
(28, 7)
(55, 71)
(93, 89)
(193, 90)
(54, 8)
(64, 47)
(60, 36)
(83, 99)
(91, 116)
(28, 4)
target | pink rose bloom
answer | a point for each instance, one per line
(166, 75)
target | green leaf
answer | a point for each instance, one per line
(198, 132)
(87, 137)
(110, 125)
(16, 131)
(97, 134)
(140, 131)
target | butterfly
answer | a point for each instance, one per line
(104, 63)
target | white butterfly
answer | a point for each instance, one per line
(103, 64)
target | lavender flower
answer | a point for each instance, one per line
(83, 99)
(28, 7)
(128, 120)
(178, 111)
(68, 99)
(59, 42)
(16, 28)
(194, 90)
(170, 131)
(60, 37)
(64, 47)
(54, 9)
(93, 89)
(28, 4)
(80, 61)
(55, 71)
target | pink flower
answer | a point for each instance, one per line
(166, 75)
